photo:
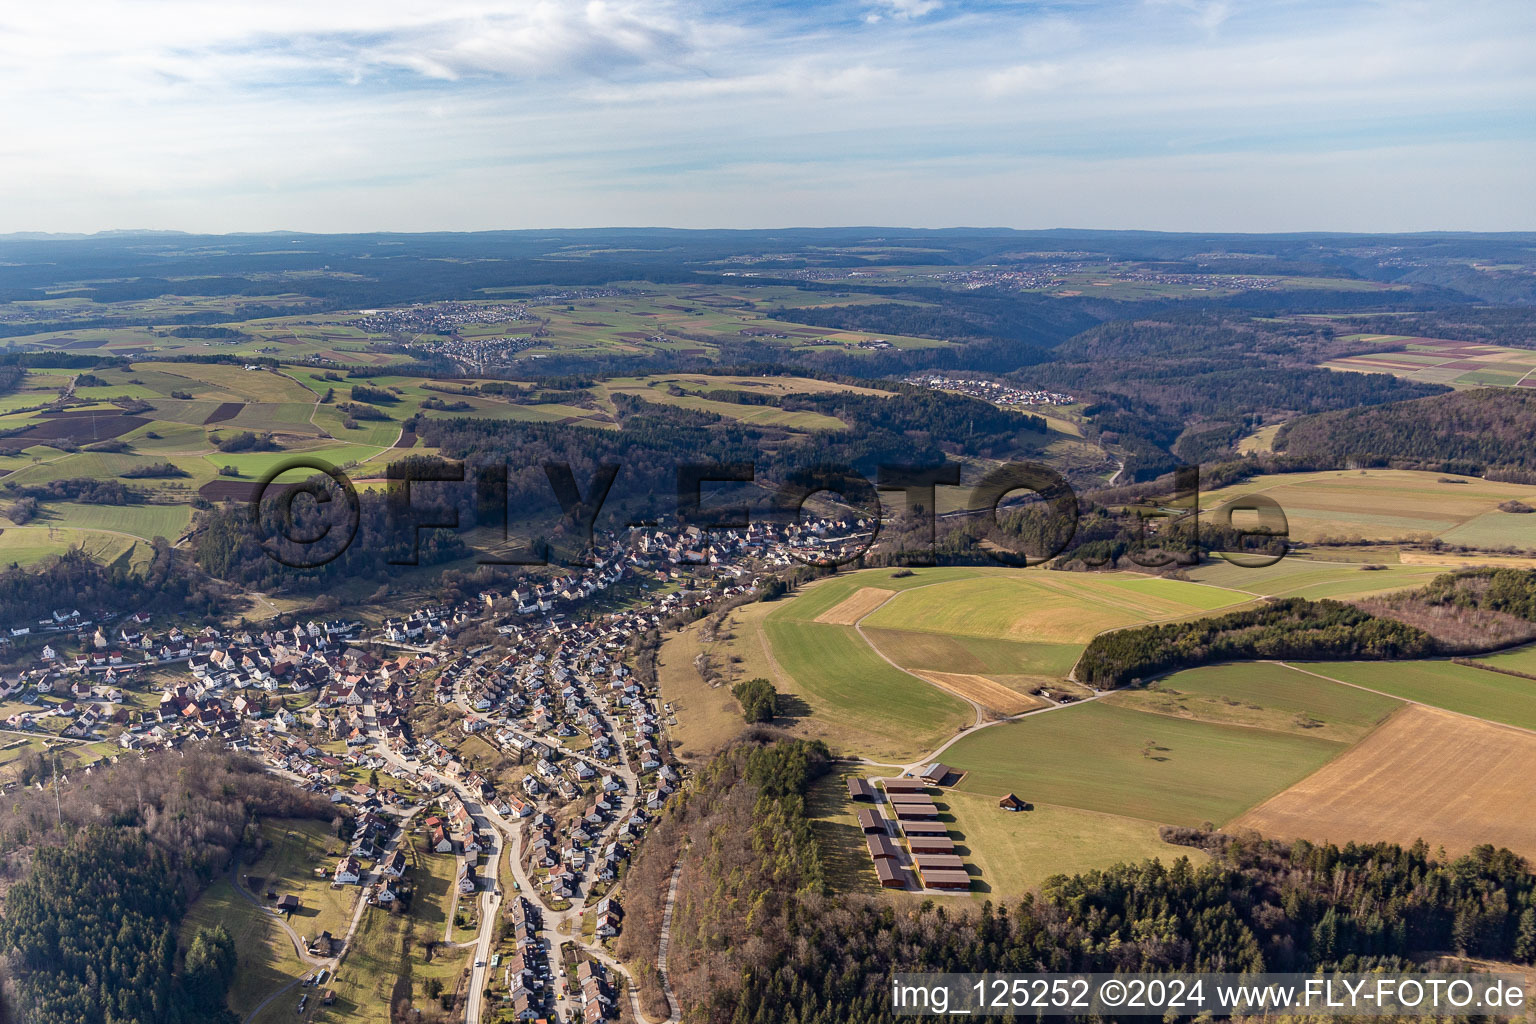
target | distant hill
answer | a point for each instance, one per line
(1489, 431)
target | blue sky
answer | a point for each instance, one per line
(343, 115)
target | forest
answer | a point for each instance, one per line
(758, 938)
(75, 581)
(1481, 431)
(99, 874)
(1183, 388)
(1455, 613)
(1291, 628)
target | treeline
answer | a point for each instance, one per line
(212, 333)
(229, 545)
(361, 411)
(1494, 325)
(980, 427)
(364, 393)
(1509, 591)
(748, 853)
(1292, 628)
(154, 470)
(247, 441)
(1480, 431)
(64, 360)
(84, 489)
(91, 935)
(100, 875)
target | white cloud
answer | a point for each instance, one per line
(905, 9)
(257, 114)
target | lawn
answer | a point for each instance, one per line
(834, 818)
(1265, 696)
(267, 960)
(1521, 659)
(1295, 576)
(297, 848)
(1046, 607)
(27, 545)
(824, 594)
(1469, 691)
(1116, 760)
(1015, 851)
(848, 684)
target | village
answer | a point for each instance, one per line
(534, 760)
(1003, 395)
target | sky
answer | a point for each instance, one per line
(417, 115)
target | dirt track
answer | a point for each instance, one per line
(855, 606)
(984, 691)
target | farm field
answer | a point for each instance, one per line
(1494, 696)
(854, 607)
(708, 717)
(1380, 504)
(936, 652)
(1015, 851)
(987, 635)
(27, 545)
(1046, 607)
(1521, 659)
(1261, 440)
(1299, 576)
(1263, 695)
(146, 521)
(992, 694)
(655, 389)
(847, 683)
(811, 601)
(1117, 760)
(1450, 780)
(1441, 361)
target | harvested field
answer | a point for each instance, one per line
(1376, 504)
(225, 411)
(1447, 779)
(987, 692)
(407, 439)
(218, 491)
(853, 608)
(77, 428)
